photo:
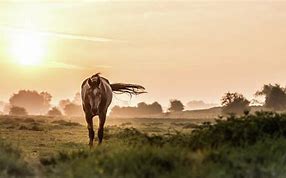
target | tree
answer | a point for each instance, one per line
(149, 109)
(155, 108)
(275, 96)
(142, 109)
(63, 103)
(7, 108)
(199, 104)
(234, 103)
(77, 99)
(73, 110)
(2, 104)
(176, 105)
(19, 111)
(54, 112)
(34, 102)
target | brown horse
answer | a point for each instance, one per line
(96, 93)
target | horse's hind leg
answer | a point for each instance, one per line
(90, 129)
(102, 118)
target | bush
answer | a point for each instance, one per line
(54, 112)
(239, 131)
(11, 164)
(65, 123)
(132, 154)
(265, 159)
(234, 103)
(120, 161)
(176, 106)
(33, 101)
(275, 97)
(142, 109)
(15, 110)
(73, 110)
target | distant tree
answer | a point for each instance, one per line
(199, 104)
(34, 102)
(176, 105)
(156, 108)
(115, 110)
(15, 110)
(77, 99)
(54, 112)
(2, 104)
(142, 109)
(63, 103)
(73, 110)
(275, 96)
(234, 103)
(148, 109)
(124, 111)
(7, 108)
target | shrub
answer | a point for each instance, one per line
(234, 103)
(275, 96)
(120, 161)
(239, 131)
(54, 112)
(65, 123)
(133, 154)
(176, 105)
(11, 163)
(33, 101)
(73, 110)
(15, 110)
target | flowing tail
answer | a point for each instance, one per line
(131, 89)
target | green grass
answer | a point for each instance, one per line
(11, 162)
(248, 146)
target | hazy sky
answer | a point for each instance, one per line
(188, 50)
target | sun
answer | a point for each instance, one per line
(27, 48)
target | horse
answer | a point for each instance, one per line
(97, 93)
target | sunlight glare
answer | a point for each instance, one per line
(27, 48)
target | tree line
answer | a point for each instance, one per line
(274, 100)
(26, 102)
(143, 109)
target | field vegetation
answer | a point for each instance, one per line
(246, 146)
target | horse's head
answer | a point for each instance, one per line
(95, 92)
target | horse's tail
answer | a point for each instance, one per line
(131, 89)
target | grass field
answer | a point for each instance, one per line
(250, 146)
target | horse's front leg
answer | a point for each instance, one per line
(102, 118)
(90, 129)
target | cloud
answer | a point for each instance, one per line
(67, 36)
(54, 64)
(60, 65)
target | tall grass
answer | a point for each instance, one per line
(248, 146)
(11, 163)
(236, 147)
